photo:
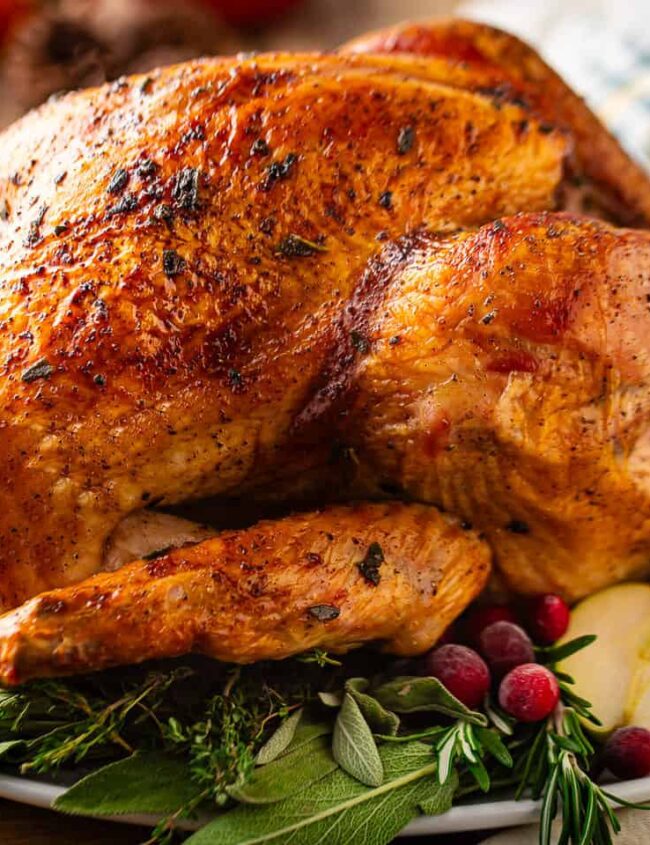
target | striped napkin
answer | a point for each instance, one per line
(600, 47)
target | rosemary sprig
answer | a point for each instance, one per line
(555, 763)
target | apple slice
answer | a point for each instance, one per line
(614, 672)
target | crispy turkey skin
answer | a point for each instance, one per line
(340, 276)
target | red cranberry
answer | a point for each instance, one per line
(627, 753)
(461, 670)
(505, 645)
(529, 693)
(548, 618)
(481, 617)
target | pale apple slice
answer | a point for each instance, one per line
(614, 672)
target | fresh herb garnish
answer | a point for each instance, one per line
(286, 752)
(42, 369)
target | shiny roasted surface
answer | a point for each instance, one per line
(508, 380)
(393, 573)
(151, 269)
(303, 275)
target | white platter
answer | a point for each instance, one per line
(481, 815)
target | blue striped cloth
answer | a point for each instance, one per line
(600, 47)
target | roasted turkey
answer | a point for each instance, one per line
(391, 272)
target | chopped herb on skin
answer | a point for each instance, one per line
(278, 171)
(405, 140)
(34, 234)
(295, 246)
(386, 199)
(260, 147)
(100, 380)
(324, 612)
(118, 182)
(147, 168)
(359, 342)
(40, 370)
(488, 318)
(369, 566)
(164, 212)
(129, 202)
(185, 189)
(173, 263)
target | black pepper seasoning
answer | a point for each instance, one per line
(386, 199)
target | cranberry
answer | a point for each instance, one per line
(548, 618)
(461, 670)
(505, 645)
(627, 753)
(481, 617)
(529, 693)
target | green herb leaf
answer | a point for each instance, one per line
(381, 721)
(331, 699)
(556, 653)
(287, 775)
(143, 783)
(493, 744)
(337, 808)
(440, 801)
(280, 740)
(6, 748)
(307, 731)
(353, 745)
(416, 695)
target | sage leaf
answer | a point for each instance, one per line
(418, 694)
(143, 783)
(337, 808)
(287, 775)
(441, 799)
(307, 731)
(353, 745)
(381, 721)
(280, 740)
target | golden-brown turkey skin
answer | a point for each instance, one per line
(480, 57)
(507, 378)
(163, 318)
(393, 573)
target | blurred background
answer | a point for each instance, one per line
(602, 47)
